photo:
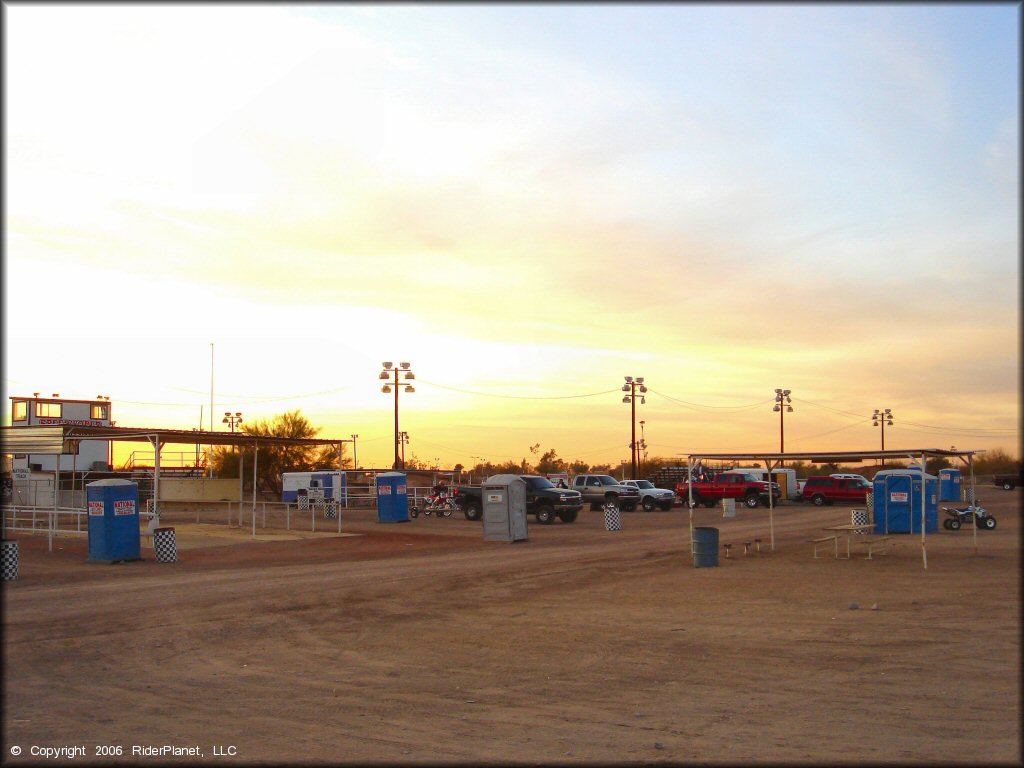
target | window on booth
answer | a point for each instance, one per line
(20, 410)
(98, 412)
(49, 410)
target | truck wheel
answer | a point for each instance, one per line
(472, 510)
(818, 500)
(545, 514)
(567, 517)
(709, 503)
(648, 504)
(696, 501)
(751, 500)
(1007, 485)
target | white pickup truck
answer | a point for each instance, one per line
(652, 496)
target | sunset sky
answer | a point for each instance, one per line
(526, 202)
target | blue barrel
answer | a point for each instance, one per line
(949, 484)
(705, 547)
(392, 498)
(113, 507)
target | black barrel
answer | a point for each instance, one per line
(705, 547)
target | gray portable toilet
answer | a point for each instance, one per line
(504, 508)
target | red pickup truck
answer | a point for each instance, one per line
(822, 490)
(729, 485)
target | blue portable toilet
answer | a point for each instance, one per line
(950, 481)
(897, 501)
(113, 520)
(392, 498)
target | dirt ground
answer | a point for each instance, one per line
(421, 643)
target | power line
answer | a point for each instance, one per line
(698, 406)
(515, 397)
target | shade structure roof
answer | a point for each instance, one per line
(54, 439)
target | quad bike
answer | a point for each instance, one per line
(442, 506)
(959, 516)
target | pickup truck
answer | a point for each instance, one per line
(1008, 482)
(652, 496)
(543, 500)
(730, 485)
(598, 490)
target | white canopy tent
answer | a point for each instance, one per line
(773, 460)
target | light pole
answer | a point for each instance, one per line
(782, 404)
(630, 387)
(355, 456)
(403, 439)
(385, 375)
(643, 442)
(232, 419)
(883, 418)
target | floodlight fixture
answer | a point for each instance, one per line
(388, 366)
(405, 366)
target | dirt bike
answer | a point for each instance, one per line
(442, 506)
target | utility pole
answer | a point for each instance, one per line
(883, 418)
(782, 404)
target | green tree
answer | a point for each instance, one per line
(550, 463)
(272, 461)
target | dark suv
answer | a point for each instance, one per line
(828, 490)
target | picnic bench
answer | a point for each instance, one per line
(824, 540)
(883, 542)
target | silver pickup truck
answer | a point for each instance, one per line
(598, 490)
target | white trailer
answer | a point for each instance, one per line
(318, 486)
(786, 478)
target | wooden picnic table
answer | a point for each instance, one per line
(849, 529)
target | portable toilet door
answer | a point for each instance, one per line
(949, 484)
(392, 498)
(897, 497)
(892, 494)
(504, 508)
(113, 507)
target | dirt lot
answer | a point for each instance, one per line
(419, 642)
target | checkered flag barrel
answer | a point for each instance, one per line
(612, 519)
(303, 502)
(968, 494)
(859, 517)
(165, 545)
(331, 509)
(10, 559)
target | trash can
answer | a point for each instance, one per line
(705, 547)
(392, 498)
(113, 507)
(10, 559)
(165, 545)
(612, 517)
